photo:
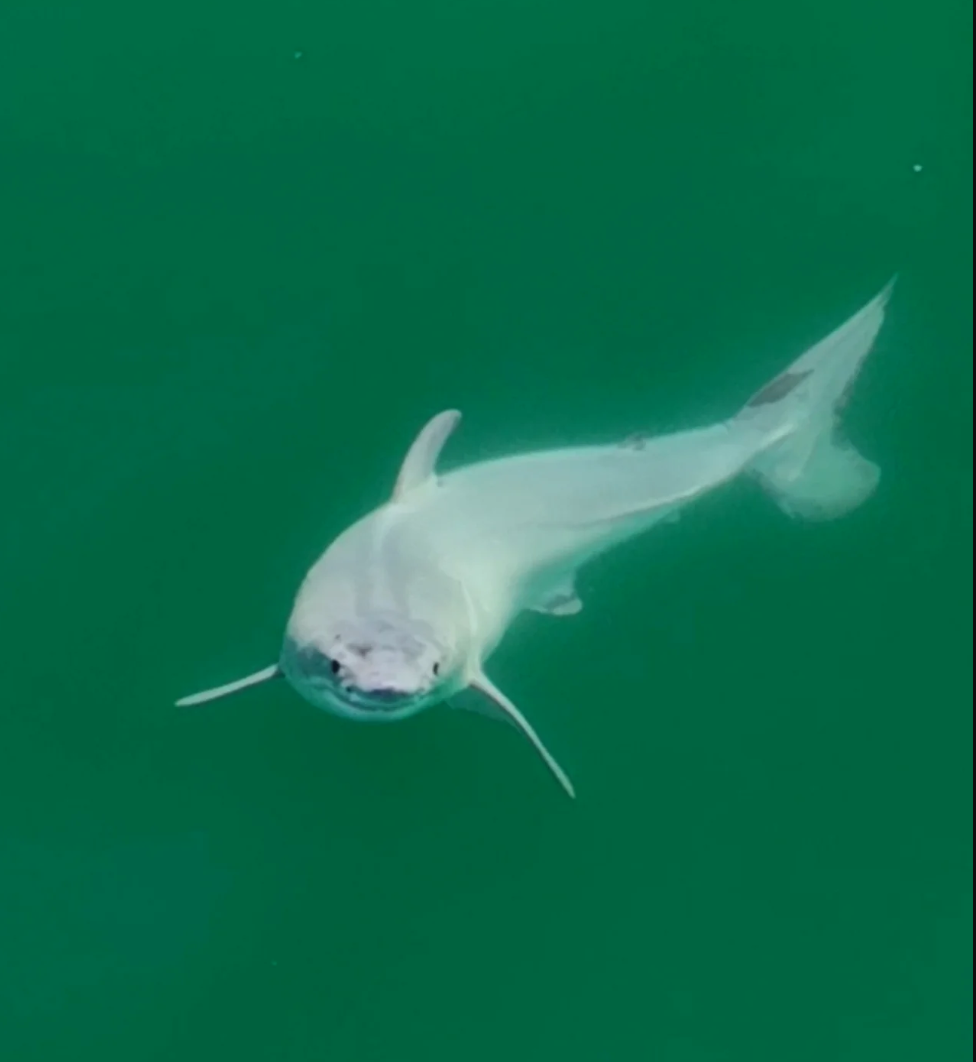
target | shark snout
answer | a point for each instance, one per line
(386, 674)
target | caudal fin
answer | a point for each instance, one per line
(809, 469)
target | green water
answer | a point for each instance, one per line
(234, 281)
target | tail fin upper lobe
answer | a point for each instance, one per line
(810, 470)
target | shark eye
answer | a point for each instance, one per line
(335, 666)
(437, 669)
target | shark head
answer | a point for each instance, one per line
(377, 668)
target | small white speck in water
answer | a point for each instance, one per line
(917, 167)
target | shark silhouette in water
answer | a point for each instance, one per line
(403, 609)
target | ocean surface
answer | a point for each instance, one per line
(246, 250)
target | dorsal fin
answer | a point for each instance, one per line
(421, 460)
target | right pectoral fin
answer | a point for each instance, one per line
(496, 705)
(232, 687)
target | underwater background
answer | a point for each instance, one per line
(246, 250)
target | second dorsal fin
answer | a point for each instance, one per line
(420, 463)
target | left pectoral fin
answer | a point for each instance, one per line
(496, 705)
(274, 671)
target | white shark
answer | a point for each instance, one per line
(405, 606)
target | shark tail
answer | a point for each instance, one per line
(806, 465)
